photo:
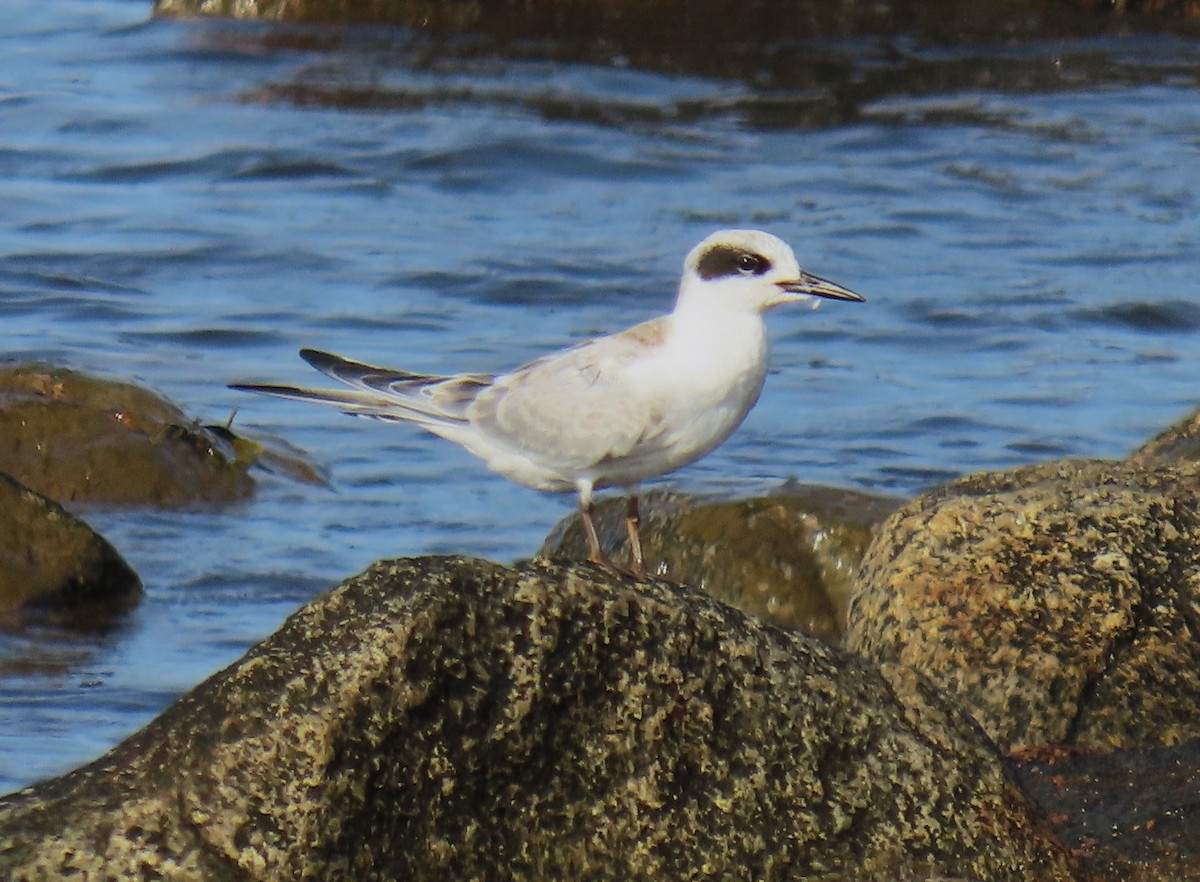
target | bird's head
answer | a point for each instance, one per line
(749, 271)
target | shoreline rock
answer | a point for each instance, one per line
(1057, 602)
(78, 438)
(666, 19)
(1128, 815)
(440, 718)
(54, 567)
(1177, 444)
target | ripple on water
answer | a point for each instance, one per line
(239, 164)
(501, 165)
(205, 338)
(1149, 316)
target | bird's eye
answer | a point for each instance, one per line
(749, 264)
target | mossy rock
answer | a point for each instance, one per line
(77, 438)
(55, 567)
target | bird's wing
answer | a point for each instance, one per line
(577, 408)
(385, 393)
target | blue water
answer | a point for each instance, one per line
(179, 210)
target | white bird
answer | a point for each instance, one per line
(613, 411)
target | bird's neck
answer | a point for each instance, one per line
(715, 335)
(705, 319)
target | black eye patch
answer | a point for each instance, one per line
(725, 260)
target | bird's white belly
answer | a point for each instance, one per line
(693, 429)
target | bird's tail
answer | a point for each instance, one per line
(383, 393)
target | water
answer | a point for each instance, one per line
(187, 203)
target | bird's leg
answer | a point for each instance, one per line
(595, 554)
(632, 521)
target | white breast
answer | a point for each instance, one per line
(700, 384)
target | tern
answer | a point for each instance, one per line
(613, 411)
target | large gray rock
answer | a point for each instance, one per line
(1057, 602)
(444, 718)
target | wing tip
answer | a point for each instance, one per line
(319, 357)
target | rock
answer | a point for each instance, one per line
(272, 454)
(1143, 832)
(1057, 602)
(442, 718)
(53, 566)
(76, 438)
(788, 557)
(1173, 446)
(631, 28)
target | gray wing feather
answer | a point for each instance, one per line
(577, 408)
(428, 394)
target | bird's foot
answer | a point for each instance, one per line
(635, 571)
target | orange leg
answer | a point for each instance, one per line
(595, 554)
(632, 521)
